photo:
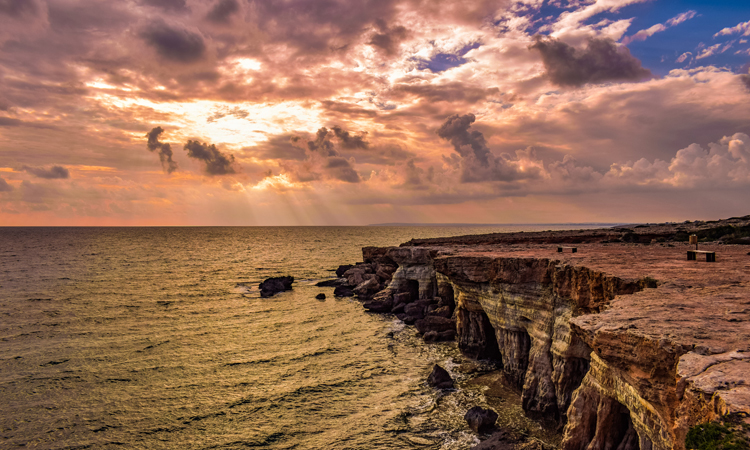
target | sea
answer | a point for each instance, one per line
(157, 338)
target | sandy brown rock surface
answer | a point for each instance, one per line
(625, 343)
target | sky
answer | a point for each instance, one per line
(335, 112)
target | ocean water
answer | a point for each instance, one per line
(157, 338)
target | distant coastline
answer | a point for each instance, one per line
(410, 224)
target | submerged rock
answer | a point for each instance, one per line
(343, 291)
(435, 323)
(379, 306)
(440, 378)
(480, 419)
(275, 285)
(330, 283)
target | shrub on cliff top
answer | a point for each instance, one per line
(726, 434)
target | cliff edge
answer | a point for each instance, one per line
(622, 345)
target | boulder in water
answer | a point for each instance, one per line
(275, 285)
(440, 378)
(343, 291)
(480, 419)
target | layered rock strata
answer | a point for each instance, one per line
(589, 339)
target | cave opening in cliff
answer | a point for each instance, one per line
(517, 347)
(619, 431)
(412, 287)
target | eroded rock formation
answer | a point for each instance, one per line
(588, 338)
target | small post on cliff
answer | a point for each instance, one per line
(694, 240)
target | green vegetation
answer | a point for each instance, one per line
(728, 433)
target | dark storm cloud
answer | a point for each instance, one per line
(4, 186)
(169, 5)
(455, 130)
(19, 8)
(602, 60)
(322, 143)
(387, 38)
(348, 140)
(477, 163)
(164, 150)
(216, 162)
(745, 80)
(176, 44)
(53, 173)
(341, 169)
(222, 11)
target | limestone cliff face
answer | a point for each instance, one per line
(527, 304)
(617, 365)
(518, 311)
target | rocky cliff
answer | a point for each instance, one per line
(624, 346)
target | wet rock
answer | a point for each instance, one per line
(440, 378)
(434, 336)
(414, 310)
(367, 288)
(398, 309)
(379, 306)
(443, 311)
(384, 273)
(321, 296)
(480, 419)
(275, 285)
(354, 276)
(502, 440)
(401, 316)
(343, 291)
(342, 269)
(418, 308)
(409, 320)
(401, 297)
(331, 283)
(434, 323)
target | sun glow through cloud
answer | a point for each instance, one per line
(381, 112)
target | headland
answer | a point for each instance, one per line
(623, 344)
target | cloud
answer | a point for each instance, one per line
(216, 162)
(710, 51)
(222, 11)
(388, 39)
(683, 57)
(4, 186)
(168, 5)
(341, 169)
(455, 130)
(176, 44)
(53, 173)
(20, 8)
(477, 163)
(724, 164)
(602, 60)
(348, 140)
(165, 150)
(642, 35)
(745, 78)
(741, 28)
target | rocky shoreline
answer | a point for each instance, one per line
(624, 344)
